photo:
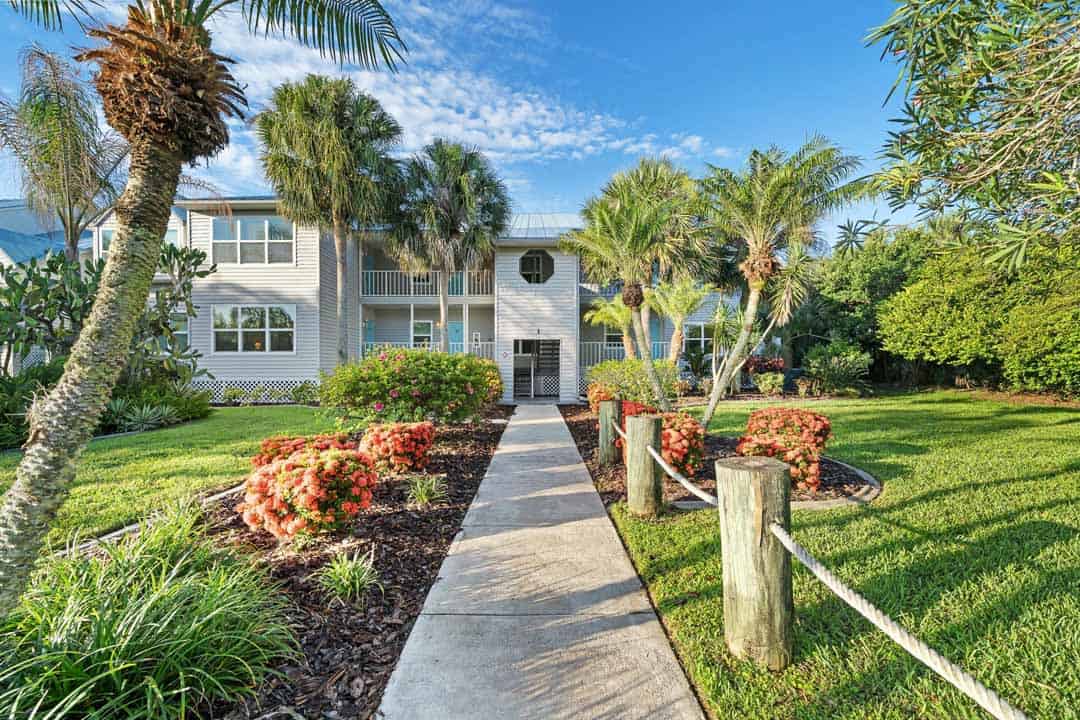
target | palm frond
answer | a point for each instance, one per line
(49, 14)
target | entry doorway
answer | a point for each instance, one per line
(536, 368)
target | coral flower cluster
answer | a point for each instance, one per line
(682, 437)
(399, 447)
(280, 447)
(796, 436)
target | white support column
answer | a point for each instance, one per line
(465, 324)
(412, 319)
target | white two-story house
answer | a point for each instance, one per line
(268, 316)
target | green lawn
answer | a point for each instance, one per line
(120, 479)
(974, 546)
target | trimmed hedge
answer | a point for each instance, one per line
(626, 379)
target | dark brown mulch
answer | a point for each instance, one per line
(836, 480)
(349, 652)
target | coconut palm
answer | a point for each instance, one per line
(70, 166)
(453, 208)
(677, 301)
(326, 151)
(613, 313)
(620, 241)
(768, 212)
(168, 94)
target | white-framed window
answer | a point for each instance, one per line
(252, 240)
(181, 338)
(254, 328)
(612, 336)
(105, 241)
(422, 332)
(172, 237)
(697, 335)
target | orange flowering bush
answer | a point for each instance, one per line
(280, 447)
(796, 436)
(597, 392)
(682, 438)
(399, 447)
(310, 491)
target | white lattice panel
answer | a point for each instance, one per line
(549, 385)
(270, 391)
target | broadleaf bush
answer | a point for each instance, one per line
(796, 436)
(761, 364)
(770, 383)
(626, 379)
(838, 368)
(399, 447)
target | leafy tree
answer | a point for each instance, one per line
(454, 206)
(677, 301)
(326, 150)
(167, 93)
(1039, 342)
(767, 213)
(989, 123)
(71, 166)
(614, 313)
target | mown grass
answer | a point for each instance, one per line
(119, 480)
(974, 546)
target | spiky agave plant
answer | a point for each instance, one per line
(168, 94)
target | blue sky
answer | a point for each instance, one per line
(562, 94)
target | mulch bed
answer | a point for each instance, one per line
(837, 481)
(349, 652)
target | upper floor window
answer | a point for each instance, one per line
(254, 328)
(253, 239)
(536, 266)
(172, 237)
(106, 241)
(612, 336)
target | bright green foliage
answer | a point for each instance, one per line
(626, 379)
(160, 623)
(349, 578)
(973, 547)
(1039, 343)
(425, 490)
(399, 384)
(837, 368)
(16, 393)
(770, 383)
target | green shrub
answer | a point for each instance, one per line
(1040, 344)
(186, 402)
(349, 579)
(158, 624)
(838, 368)
(233, 395)
(627, 379)
(412, 385)
(770, 383)
(306, 393)
(16, 392)
(138, 418)
(425, 490)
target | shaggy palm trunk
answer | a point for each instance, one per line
(733, 362)
(444, 309)
(650, 369)
(628, 343)
(646, 323)
(62, 421)
(341, 249)
(676, 341)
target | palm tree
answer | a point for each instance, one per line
(620, 241)
(613, 313)
(677, 301)
(167, 93)
(70, 166)
(768, 212)
(326, 150)
(454, 206)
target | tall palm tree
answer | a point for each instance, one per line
(620, 241)
(168, 94)
(613, 313)
(70, 166)
(769, 211)
(677, 301)
(326, 150)
(453, 208)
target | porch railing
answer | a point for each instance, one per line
(594, 353)
(480, 349)
(397, 283)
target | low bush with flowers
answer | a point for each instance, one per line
(280, 447)
(760, 364)
(310, 491)
(402, 385)
(796, 436)
(399, 447)
(682, 438)
(596, 392)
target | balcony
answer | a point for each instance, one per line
(594, 353)
(479, 349)
(396, 283)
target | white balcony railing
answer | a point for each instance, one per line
(594, 353)
(480, 349)
(396, 283)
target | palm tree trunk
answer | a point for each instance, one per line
(646, 322)
(676, 341)
(62, 421)
(628, 343)
(733, 362)
(444, 310)
(353, 304)
(650, 369)
(341, 249)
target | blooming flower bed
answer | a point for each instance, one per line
(682, 437)
(399, 447)
(796, 436)
(280, 447)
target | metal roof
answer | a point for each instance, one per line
(547, 226)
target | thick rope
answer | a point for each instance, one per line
(675, 475)
(618, 430)
(956, 677)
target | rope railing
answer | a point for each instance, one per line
(618, 430)
(952, 673)
(678, 477)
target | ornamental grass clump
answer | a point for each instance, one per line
(682, 438)
(399, 447)
(310, 491)
(796, 436)
(154, 626)
(349, 578)
(426, 490)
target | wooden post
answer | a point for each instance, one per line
(644, 478)
(610, 414)
(753, 493)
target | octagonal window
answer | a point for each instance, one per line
(536, 266)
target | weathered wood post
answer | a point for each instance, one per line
(610, 413)
(754, 492)
(644, 478)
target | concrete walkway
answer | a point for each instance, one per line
(537, 611)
